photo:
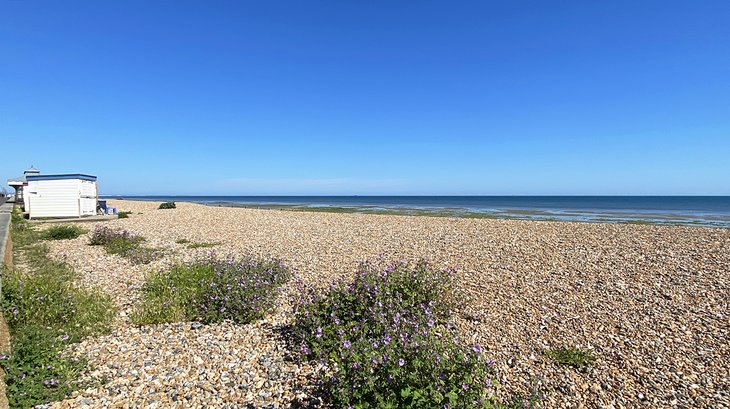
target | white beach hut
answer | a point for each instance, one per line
(67, 195)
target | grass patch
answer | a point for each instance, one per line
(123, 215)
(46, 312)
(641, 222)
(212, 291)
(196, 244)
(123, 243)
(203, 244)
(63, 232)
(167, 205)
(23, 233)
(572, 356)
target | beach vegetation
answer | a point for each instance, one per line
(641, 222)
(123, 215)
(387, 340)
(202, 244)
(22, 233)
(572, 356)
(167, 205)
(45, 312)
(182, 241)
(123, 243)
(63, 232)
(212, 290)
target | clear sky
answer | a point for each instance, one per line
(369, 97)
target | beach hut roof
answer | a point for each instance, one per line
(17, 181)
(31, 171)
(62, 176)
(22, 179)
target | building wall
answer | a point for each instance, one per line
(60, 198)
(89, 197)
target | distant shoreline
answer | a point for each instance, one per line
(644, 217)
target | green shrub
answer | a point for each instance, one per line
(387, 341)
(63, 232)
(203, 244)
(48, 298)
(212, 291)
(167, 205)
(196, 244)
(45, 312)
(172, 295)
(572, 356)
(123, 215)
(123, 243)
(35, 370)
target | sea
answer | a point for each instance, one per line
(713, 211)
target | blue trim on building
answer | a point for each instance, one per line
(62, 177)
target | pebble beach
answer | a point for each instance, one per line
(651, 302)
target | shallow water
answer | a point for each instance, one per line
(684, 210)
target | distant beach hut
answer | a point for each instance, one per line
(64, 195)
(20, 183)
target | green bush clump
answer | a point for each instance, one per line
(123, 243)
(63, 232)
(123, 215)
(167, 205)
(387, 341)
(212, 291)
(202, 244)
(45, 312)
(572, 356)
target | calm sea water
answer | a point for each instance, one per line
(695, 210)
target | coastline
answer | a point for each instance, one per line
(562, 215)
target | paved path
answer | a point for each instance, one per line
(6, 210)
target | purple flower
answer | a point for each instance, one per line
(401, 362)
(51, 382)
(346, 344)
(319, 332)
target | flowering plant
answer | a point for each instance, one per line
(212, 290)
(387, 341)
(124, 243)
(241, 290)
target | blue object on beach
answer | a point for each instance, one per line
(114, 209)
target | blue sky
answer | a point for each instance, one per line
(375, 97)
